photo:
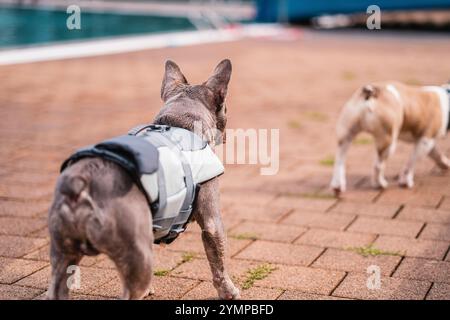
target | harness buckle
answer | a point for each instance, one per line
(148, 127)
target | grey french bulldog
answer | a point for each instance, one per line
(97, 207)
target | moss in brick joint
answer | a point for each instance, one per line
(186, 257)
(258, 273)
(369, 250)
(308, 195)
(327, 161)
(245, 236)
(161, 273)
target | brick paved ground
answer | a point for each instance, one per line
(288, 220)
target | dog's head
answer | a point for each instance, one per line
(189, 105)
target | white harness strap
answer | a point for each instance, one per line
(444, 104)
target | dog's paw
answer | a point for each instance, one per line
(406, 181)
(337, 192)
(150, 291)
(338, 188)
(406, 184)
(380, 183)
(228, 291)
(235, 294)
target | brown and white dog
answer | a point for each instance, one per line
(391, 111)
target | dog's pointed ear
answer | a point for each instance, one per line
(173, 78)
(220, 78)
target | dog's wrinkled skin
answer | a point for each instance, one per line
(98, 209)
(390, 111)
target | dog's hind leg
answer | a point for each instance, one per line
(385, 145)
(422, 148)
(207, 214)
(338, 182)
(61, 263)
(135, 268)
(439, 158)
(347, 128)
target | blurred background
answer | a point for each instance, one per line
(25, 22)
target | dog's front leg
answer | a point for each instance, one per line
(207, 214)
(422, 148)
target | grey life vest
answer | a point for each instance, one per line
(167, 163)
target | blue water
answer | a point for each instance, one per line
(38, 26)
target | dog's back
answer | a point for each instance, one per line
(392, 104)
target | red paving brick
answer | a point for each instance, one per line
(298, 295)
(412, 247)
(16, 247)
(20, 226)
(341, 260)
(386, 226)
(305, 203)
(31, 165)
(266, 231)
(37, 179)
(191, 242)
(199, 269)
(90, 279)
(423, 269)
(409, 197)
(365, 196)
(12, 270)
(269, 213)
(445, 204)
(435, 231)
(17, 293)
(335, 239)
(317, 219)
(166, 260)
(40, 233)
(282, 253)
(439, 291)
(366, 209)
(355, 286)
(23, 209)
(163, 259)
(206, 291)
(251, 199)
(425, 215)
(88, 297)
(165, 288)
(308, 280)
(25, 192)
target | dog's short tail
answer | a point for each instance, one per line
(72, 186)
(76, 215)
(370, 91)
